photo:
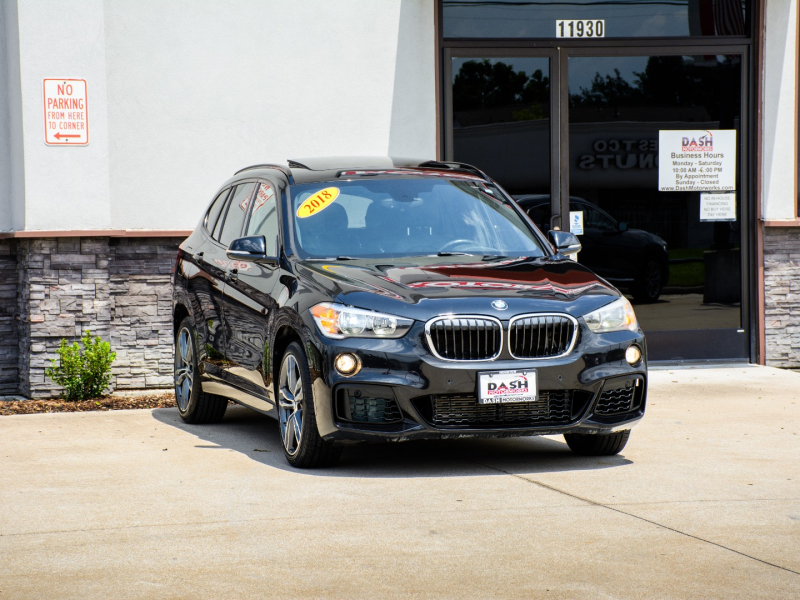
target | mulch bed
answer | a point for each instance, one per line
(112, 402)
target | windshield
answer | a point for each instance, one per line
(408, 217)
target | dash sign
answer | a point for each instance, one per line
(66, 117)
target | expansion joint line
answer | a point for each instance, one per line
(617, 510)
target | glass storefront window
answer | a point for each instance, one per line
(619, 18)
(501, 119)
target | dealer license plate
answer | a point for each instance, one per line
(501, 387)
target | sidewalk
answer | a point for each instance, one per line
(704, 502)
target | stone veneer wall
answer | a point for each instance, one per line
(118, 288)
(9, 335)
(782, 296)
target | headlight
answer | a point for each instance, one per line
(338, 322)
(617, 316)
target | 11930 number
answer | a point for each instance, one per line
(584, 28)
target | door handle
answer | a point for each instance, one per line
(198, 256)
(233, 275)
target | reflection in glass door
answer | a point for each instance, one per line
(682, 272)
(501, 119)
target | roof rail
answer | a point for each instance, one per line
(456, 166)
(286, 171)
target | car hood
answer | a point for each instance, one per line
(423, 287)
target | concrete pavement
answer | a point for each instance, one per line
(704, 502)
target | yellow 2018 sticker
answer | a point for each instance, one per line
(318, 202)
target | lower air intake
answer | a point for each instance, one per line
(464, 412)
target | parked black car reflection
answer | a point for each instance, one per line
(384, 299)
(631, 258)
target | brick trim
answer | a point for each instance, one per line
(131, 233)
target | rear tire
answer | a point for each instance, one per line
(303, 446)
(597, 445)
(194, 405)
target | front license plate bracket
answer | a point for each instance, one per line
(506, 387)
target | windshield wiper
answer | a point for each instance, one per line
(453, 253)
(332, 258)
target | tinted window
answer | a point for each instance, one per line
(215, 210)
(234, 220)
(594, 218)
(264, 219)
(621, 18)
(221, 220)
(412, 217)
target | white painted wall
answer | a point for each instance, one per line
(181, 94)
(200, 88)
(12, 186)
(66, 188)
(780, 119)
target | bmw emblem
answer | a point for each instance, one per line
(499, 305)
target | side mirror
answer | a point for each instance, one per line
(565, 242)
(623, 226)
(250, 248)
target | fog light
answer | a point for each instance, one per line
(633, 355)
(347, 364)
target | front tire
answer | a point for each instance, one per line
(303, 447)
(597, 445)
(648, 285)
(194, 405)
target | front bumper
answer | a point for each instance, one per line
(429, 398)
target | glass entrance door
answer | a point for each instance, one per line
(681, 267)
(679, 263)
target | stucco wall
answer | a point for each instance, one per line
(183, 94)
(65, 188)
(12, 187)
(779, 116)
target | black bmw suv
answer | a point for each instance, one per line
(369, 299)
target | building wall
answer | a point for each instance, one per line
(12, 187)
(782, 287)
(779, 126)
(9, 331)
(183, 94)
(66, 188)
(779, 192)
(117, 288)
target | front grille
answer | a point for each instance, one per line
(541, 336)
(464, 412)
(465, 337)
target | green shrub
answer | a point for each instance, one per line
(83, 374)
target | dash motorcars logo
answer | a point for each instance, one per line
(518, 386)
(703, 143)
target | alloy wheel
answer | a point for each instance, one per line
(184, 369)
(290, 404)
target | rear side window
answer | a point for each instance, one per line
(237, 210)
(216, 208)
(264, 220)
